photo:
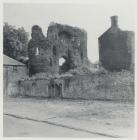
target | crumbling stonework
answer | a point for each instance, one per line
(40, 54)
(75, 79)
(102, 86)
(62, 41)
(116, 48)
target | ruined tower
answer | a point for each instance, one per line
(39, 51)
(62, 42)
(116, 48)
(70, 44)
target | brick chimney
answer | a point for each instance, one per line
(114, 21)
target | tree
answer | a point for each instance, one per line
(15, 42)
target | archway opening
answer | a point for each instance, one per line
(63, 65)
(61, 61)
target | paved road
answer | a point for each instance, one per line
(15, 127)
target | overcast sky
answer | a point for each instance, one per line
(95, 19)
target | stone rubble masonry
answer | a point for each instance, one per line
(116, 48)
(102, 86)
(116, 52)
(62, 41)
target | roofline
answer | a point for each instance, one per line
(14, 60)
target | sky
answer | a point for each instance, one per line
(94, 18)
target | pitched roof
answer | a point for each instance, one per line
(10, 61)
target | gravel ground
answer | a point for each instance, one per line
(112, 118)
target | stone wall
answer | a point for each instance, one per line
(33, 87)
(72, 42)
(40, 53)
(102, 87)
(109, 86)
(116, 49)
(62, 41)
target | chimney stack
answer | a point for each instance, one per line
(114, 21)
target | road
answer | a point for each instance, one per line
(85, 118)
(27, 128)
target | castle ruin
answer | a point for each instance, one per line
(116, 48)
(62, 42)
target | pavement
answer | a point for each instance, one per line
(27, 128)
(90, 118)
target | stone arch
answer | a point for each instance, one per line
(63, 64)
(58, 90)
(62, 60)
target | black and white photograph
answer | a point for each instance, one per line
(68, 70)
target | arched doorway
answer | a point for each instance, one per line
(55, 90)
(58, 90)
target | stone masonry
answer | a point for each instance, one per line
(116, 48)
(62, 41)
(74, 78)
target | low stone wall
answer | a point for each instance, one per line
(110, 86)
(102, 87)
(33, 87)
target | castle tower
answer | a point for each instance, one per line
(116, 48)
(40, 54)
(62, 42)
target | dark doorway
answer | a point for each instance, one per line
(51, 90)
(55, 90)
(58, 90)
